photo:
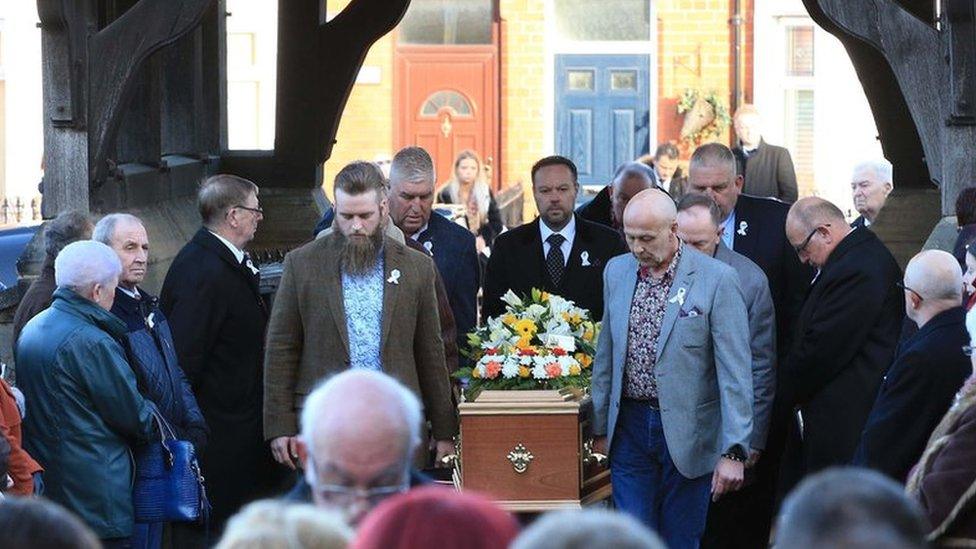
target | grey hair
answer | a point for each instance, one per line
(64, 229)
(635, 169)
(105, 228)
(713, 155)
(340, 392)
(881, 169)
(587, 528)
(692, 200)
(850, 507)
(82, 264)
(412, 164)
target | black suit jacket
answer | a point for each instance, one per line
(763, 240)
(917, 391)
(517, 264)
(218, 321)
(456, 258)
(768, 172)
(845, 340)
(598, 209)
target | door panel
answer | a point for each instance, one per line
(602, 112)
(447, 101)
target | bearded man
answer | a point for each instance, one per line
(355, 299)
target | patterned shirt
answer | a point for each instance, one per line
(646, 316)
(362, 299)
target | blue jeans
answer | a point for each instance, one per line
(646, 483)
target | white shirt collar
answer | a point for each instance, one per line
(134, 294)
(238, 253)
(416, 235)
(568, 232)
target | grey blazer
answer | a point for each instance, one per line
(703, 362)
(762, 337)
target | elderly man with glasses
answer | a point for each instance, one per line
(845, 336)
(928, 370)
(360, 430)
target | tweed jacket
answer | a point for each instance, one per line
(308, 340)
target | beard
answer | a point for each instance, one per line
(359, 254)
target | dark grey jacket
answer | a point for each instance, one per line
(768, 172)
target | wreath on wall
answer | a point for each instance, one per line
(706, 116)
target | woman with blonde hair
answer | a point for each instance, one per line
(468, 186)
(271, 524)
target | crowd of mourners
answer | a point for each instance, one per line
(766, 373)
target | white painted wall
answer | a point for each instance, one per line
(20, 69)
(844, 130)
(252, 54)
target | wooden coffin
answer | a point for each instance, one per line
(530, 450)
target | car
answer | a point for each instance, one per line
(13, 242)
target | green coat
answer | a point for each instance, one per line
(85, 412)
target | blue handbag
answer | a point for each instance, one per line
(169, 486)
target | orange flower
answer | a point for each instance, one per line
(524, 371)
(524, 344)
(554, 370)
(584, 359)
(574, 370)
(492, 369)
(558, 351)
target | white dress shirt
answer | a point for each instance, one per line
(238, 253)
(568, 232)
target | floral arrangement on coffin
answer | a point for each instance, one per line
(541, 342)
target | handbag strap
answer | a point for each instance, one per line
(165, 429)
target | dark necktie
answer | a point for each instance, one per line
(555, 263)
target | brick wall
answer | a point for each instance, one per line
(694, 45)
(366, 127)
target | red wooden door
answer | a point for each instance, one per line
(446, 98)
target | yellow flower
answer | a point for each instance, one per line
(509, 319)
(584, 359)
(524, 342)
(544, 297)
(526, 327)
(475, 374)
(574, 370)
(524, 371)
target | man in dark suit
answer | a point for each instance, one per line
(754, 227)
(355, 299)
(607, 207)
(928, 370)
(411, 197)
(845, 336)
(218, 320)
(767, 169)
(871, 183)
(559, 252)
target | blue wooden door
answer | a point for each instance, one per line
(602, 112)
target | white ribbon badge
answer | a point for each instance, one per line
(679, 298)
(585, 257)
(394, 277)
(429, 246)
(743, 228)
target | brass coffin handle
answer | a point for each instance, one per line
(520, 457)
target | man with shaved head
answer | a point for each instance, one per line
(607, 208)
(845, 336)
(672, 382)
(930, 367)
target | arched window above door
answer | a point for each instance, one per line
(446, 98)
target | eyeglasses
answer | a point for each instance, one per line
(907, 289)
(967, 350)
(258, 210)
(806, 241)
(345, 496)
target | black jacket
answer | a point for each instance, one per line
(517, 264)
(917, 391)
(768, 172)
(599, 209)
(760, 235)
(218, 320)
(152, 355)
(845, 340)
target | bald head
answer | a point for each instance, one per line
(650, 228)
(815, 227)
(935, 280)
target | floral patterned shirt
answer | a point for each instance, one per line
(362, 299)
(646, 316)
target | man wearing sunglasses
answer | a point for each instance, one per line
(928, 370)
(845, 336)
